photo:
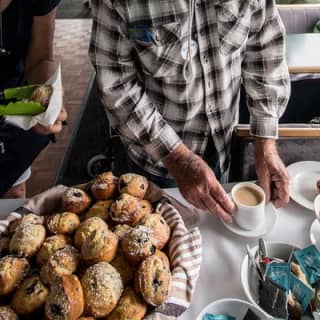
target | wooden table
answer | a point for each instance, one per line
(303, 52)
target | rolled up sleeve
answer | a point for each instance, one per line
(128, 107)
(265, 72)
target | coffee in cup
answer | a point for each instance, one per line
(250, 201)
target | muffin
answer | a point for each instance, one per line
(6, 313)
(153, 280)
(101, 280)
(86, 318)
(137, 245)
(100, 209)
(50, 246)
(63, 223)
(12, 272)
(125, 269)
(63, 262)
(65, 301)
(30, 296)
(120, 230)
(160, 229)
(4, 245)
(164, 258)
(75, 200)
(146, 207)
(101, 246)
(104, 186)
(27, 239)
(126, 210)
(133, 184)
(86, 228)
(29, 218)
(131, 306)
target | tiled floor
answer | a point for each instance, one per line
(71, 49)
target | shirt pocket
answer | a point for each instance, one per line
(234, 19)
(159, 51)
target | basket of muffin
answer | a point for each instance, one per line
(102, 251)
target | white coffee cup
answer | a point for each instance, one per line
(250, 200)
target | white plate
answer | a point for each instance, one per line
(280, 250)
(303, 179)
(233, 307)
(265, 227)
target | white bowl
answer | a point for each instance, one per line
(233, 307)
(279, 250)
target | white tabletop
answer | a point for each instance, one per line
(223, 251)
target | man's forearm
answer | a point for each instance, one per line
(41, 72)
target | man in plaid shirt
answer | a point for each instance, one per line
(169, 73)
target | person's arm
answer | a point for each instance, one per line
(126, 102)
(40, 64)
(267, 85)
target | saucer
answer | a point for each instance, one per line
(265, 227)
(315, 233)
(303, 178)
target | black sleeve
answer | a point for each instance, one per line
(43, 7)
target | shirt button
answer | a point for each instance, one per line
(198, 4)
(209, 108)
(205, 59)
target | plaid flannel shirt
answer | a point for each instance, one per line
(137, 48)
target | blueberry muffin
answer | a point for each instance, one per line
(120, 230)
(131, 306)
(12, 272)
(86, 228)
(63, 223)
(160, 229)
(104, 186)
(101, 246)
(164, 258)
(6, 313)
(146, 207)
(133, 184)
(126, 210)
(30, 296)
(4, 245)
(100, 209)
(27, 239)
(153, 280)
(75, 200)
(29, 218)
(50, 246)
(63, 262)
(65, 301)
(125, 269)
(137, 245)
(102, 287)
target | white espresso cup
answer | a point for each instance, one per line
(250, 200)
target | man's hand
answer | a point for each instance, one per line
(198, 184)
(272, 174)
(55, 128)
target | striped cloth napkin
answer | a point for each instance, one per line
(185, 247)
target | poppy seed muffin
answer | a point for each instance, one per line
(100, 209)
(63, 223)
(29, 218)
